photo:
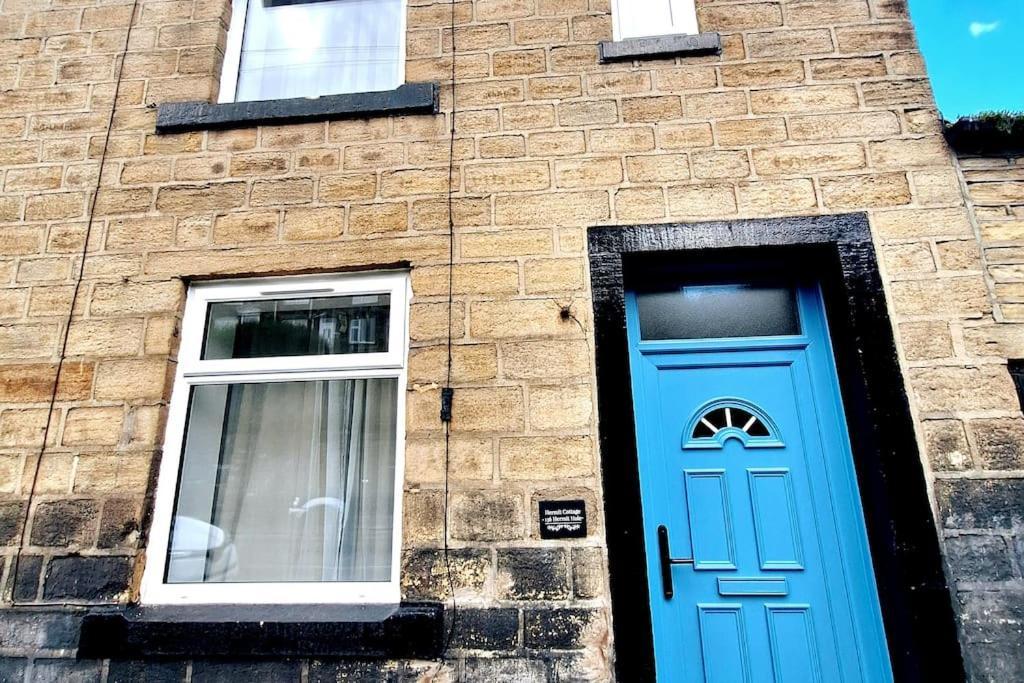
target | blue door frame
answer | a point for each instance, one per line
(757, 556)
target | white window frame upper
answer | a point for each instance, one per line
(236, 35)
(192, 371)
(683, 12)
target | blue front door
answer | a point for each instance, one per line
(757, 557)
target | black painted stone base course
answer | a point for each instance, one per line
(415, 631)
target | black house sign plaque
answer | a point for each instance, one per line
(563, 519)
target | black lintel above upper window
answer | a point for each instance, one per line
(660, 47)
(410, 98)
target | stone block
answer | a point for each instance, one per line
(789, 43)
(487, 515)
(136, 379)
(423, 518)
(557, 629)
(470, 459)
(490, 629)
(827, 127)
(808, 159)
(133, 671)
(946, 445)
(970, 388)
(563, 407)
(543, 276)
(470, 363)
(90, 426)
(218, 671)
(12, 512)
(865, 191)
(92, 579)
(357, 671)
(979, 558)
(533, 574)
(516, 176)
(751, 131)
(65, 523)
(425, 573)
(1000, 442)
(981, 503)
(518, 319)
(120, 522)
(926, 340)
(545, 458)
(685, 135)
(588, 573)
(517, 670)
(545, 359)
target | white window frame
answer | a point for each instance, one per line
(192, 371)
(684, 11)
(236, 34)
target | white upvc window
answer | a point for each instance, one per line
(281, 479)
(646, 18)
(279, 49)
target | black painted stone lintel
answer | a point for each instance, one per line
(659, 47)
(415, 631)
(409, 98)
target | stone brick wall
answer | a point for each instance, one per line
(978, 452)
(814, 107)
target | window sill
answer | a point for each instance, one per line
(659, 47)
(410, 98)
(413, 630)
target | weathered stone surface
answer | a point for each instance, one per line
(425, 573)
(981, 503)
(970, 388)
(506, 670)
(65, 523)
(979, 558)
(487, 516)
(1000, 443)
(92, 579)
(487, 629)
(129, 671)
(213, 671)
(946, 444)
(556, 629)
(533, 574)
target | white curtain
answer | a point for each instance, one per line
(320, 48)
(295, 483)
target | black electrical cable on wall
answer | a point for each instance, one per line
(67, 323)
(447, 393)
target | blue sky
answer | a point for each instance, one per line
(975, 53)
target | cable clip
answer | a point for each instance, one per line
(447, 394)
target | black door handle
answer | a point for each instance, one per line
(667, 561)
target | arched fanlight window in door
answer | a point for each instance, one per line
(717, 421)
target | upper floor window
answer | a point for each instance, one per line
(280, 49)
(645, 18)
(282, 475)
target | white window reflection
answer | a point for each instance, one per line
(309, 49)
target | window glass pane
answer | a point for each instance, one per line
(319, 48)
(644, 18)
(715, 311)
(289, 481)
(297, 327)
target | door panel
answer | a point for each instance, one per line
(744, 459)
